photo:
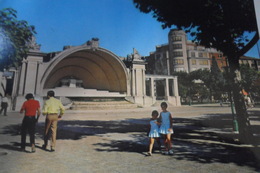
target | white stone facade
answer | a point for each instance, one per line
(2, 84)
(85, 71)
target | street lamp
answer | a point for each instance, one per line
(235, 124)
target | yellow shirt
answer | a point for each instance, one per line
(53, 106)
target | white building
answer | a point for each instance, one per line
(181, 54)
(88, 71)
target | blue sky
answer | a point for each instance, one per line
(119, 26)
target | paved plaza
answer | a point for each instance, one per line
(99, 141)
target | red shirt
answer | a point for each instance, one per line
(30, 107)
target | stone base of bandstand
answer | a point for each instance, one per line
(19, 100)
(174, 100)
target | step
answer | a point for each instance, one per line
(102, 105)
(100, 102)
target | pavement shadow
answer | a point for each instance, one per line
(206, 139)
(211, 139)
(77, 129)
(14, 146)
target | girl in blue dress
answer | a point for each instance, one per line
(166, 128)
(154, 131)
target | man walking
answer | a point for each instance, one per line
(53, 109)
(4, 105)
(31, 107)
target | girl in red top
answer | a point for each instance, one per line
(30, 108)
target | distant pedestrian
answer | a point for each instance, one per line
(221, 102)
(249, 103)
(166, 128)
(30, 108)
(53, 109)
(154, 131)
(4, 105)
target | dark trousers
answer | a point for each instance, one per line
(4, 106)
(28, 125)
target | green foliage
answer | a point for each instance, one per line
(14, 36)
(217, 85)
(184, 83)
(189, 87)
(220, 24)
(202, 82)
(249, 77)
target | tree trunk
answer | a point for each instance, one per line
(245, 133)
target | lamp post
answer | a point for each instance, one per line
(189, 97)
(235, 124)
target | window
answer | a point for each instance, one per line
(192, 54)
(193, 61)
(177, 54)
(178, 62)
(200, 54)
(158, 56)
(177, 46)
(203, 62)
(176, 38)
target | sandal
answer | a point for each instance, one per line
(171, 152)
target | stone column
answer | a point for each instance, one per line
(133, 82)
(168, 63)
(166, 87)
(128, 83)
(175, 87)
(22, 77)
(138, 82)
(15, 79)
(152, 87)
(144, 85)
(31, 75)
(39, 76)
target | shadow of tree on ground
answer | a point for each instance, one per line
(205, 139)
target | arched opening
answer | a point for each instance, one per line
(88, 69)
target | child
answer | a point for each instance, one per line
(154, 131)
(166, 128)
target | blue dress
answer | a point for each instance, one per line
(154, 131)
(165, 124)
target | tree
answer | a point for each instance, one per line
(185, 84)
(195, 83)
(14, 38)
(205, 76)
(222, 24)
(217, 84)
(249, 76)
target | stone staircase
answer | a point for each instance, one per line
(102, 105)
(158, 103)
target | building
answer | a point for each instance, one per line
(250, 62)
(181, 54)
(89, 71)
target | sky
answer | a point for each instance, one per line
(119, 26)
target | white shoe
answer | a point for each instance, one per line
(170, 152)
(165, 152)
